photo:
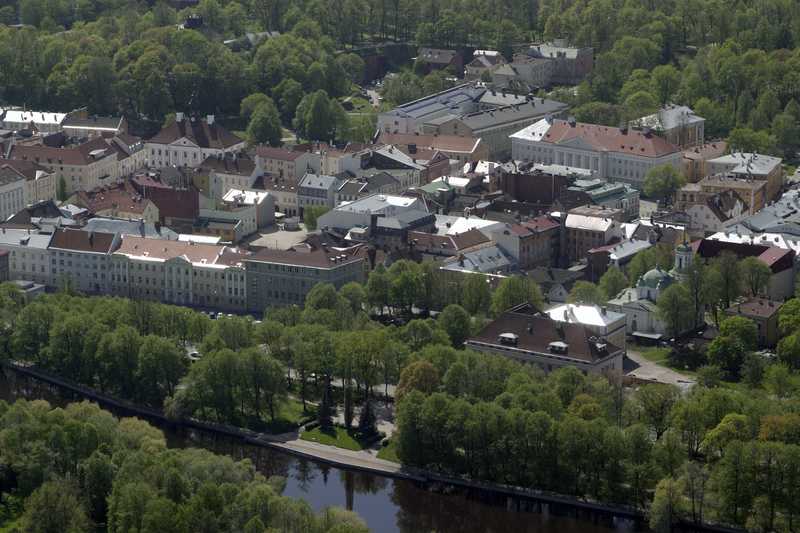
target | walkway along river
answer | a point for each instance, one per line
(393, 502)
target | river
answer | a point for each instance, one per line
(387, 505)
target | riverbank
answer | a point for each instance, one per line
(512, 498)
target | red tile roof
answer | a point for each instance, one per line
(281, 154)
(447, 143)
(609, 138)
(76, 155)
(122, 197)
(26, 169)
(199, 132)
(82, 241)
(310, 254)
(778, 259)
(755, 307)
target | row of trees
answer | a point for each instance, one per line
(79, 468)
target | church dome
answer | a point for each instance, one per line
(655, 279)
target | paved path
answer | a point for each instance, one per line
(651, 371)
(365, 459)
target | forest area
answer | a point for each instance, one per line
(735, 63)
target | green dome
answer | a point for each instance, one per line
(655, 279)
(684, 248)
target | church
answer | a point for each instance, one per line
(638, 303)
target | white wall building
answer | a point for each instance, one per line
(614, 153)
(188, 142)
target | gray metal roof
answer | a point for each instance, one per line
(23, 237)
(319, 181)
(536, 108)
(129, 227)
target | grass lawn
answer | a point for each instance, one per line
(290, 415)
(339, 437)
(655, 355)
(389, 452)
(10, 526)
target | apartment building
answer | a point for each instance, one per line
(39, 183)
(286, 165)
(284, 277)
(28, 254)
(181, 273)
(749, 166)
(678, 124)
(82, 259)
(589, 227)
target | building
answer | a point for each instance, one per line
(284, 277)
(494, 125)
(525, 73)
(79, 124)
(117, 200)
(469, 110)
(678, 124)
(525, 334)
(621, 154)
(285, 195)
(172, 192)
(232, 171)
(610, 194)
(695, 160)
(616, 254)
(380, 183)
(555, 283)
(607, 325)
(82, 260)
(441, 59)
(12, 191)
(589, 227)
(188, 141)
(764, 313)
(39, 183)
(177, 272)
(21, 119)
(752, 192)
(436, 245)
(486, 259)
(256, 209)
(715, 212)
(315, 190)
(82, 168)
(750, 166)
(286, 165)
(360, 212)
(779, 260)
(571, 64)
(483, 61)
(28, 256)
(458, 148)
(531, 242)
(131, 155)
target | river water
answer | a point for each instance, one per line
(387, 505)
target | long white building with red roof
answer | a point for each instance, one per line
(622, 154)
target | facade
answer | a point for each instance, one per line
(12, 191)
(188, 142)
(589, 227)
(532, 242)
(716, 212)
(764, 313)
(695, 160)
(483, 61)
(286, 166)
(524, 73)
(181, 273)
(524, 334)
(256, 209)
(285, 196)
(571, 64)
(317, 191)
(284, 277)
(232, 171)
(750, 166)
(678, 124)
(39, 182)
(28, 255)
(83, 167)
(555, 283)
(752, 192)
(621, 154)
(82, 260)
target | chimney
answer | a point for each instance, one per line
(209, 119)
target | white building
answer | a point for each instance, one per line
(29, 257)
(621, 154)
(599, 320)
(21, 119)
(188, 142)
(678, 124)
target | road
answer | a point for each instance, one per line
(651, 371)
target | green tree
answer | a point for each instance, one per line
(160, 367)
(747, 140)
(456, 322)
(586, 292)
(667, 508)
(785, 130)
(662, 181)
(265, 125)
(515, 290)
(671, 309)
(55, 507)
(665, 79)
(612, 283)
(311, 214)
(418, 376)
(755, 275)
(476, 297)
